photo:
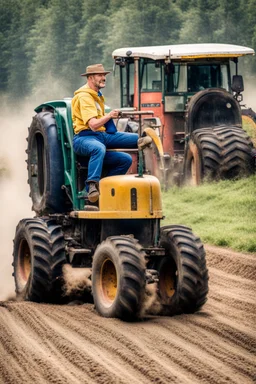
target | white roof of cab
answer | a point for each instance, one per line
(184, 51)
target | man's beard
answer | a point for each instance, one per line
(101, 86)
(97, 84)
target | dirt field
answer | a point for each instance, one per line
(73, 344)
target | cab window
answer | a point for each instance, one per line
(175, 78)
(207, 76)
(151, 77)
(127, 84)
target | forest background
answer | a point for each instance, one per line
(46, 44)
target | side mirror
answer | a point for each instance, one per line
(120, 61)
(237, 84)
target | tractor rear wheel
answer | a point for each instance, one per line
(223, 152)
(183, 275)
(118, 277)
(45, 165)
(236, 153)
(39, 255)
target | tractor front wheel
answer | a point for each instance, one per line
(183, 276)
(118, 277)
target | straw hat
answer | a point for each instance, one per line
(95, 69)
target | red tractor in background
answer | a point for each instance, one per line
(185, 96)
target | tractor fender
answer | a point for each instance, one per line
(156, 139)
(210, 108)
(45, 165)
(157, 163)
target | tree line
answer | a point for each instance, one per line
(42, 40)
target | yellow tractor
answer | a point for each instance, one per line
(119, 245)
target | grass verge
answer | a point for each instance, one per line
(221, 213)
(250, 127)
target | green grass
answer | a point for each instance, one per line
(222, 213)
(250, 128)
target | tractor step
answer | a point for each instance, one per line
(77, 251)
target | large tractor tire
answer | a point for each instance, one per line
(203, 157)
(222, 152)
(45, 165)
(183, 275)
(39, 256)
(118, 277)
(237, 157)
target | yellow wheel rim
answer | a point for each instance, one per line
(108, 281)
(195, 166)
(167, 280)
(193, 172)
(24, 261)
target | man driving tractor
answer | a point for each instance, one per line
(95, 132)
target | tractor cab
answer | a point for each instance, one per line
(164, 78)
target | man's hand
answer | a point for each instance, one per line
(95, 123)
(114, 114)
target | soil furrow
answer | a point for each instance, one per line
(41, 343)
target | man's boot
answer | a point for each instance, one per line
(93, 193)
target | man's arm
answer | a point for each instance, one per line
(94, 123)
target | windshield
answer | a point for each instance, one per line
(195, 77)
(207, 76)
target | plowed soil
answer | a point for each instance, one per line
(42, 343)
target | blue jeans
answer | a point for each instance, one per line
(94, 144)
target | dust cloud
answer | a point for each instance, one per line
(15, 203)
(76, 280)
(151, 302)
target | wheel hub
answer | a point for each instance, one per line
(167, 280)
(24, 266)
(108, 281)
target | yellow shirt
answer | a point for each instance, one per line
(86, 104)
